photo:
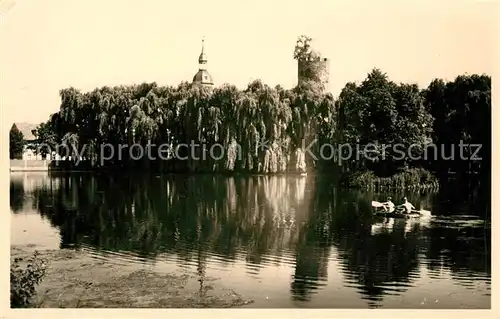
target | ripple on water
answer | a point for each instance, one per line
(117, 257)
(285, 257)
(460, 222)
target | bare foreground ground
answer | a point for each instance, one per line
(76, 280)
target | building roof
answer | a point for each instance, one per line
(203, 77)
(26, 128)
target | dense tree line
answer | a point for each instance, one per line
(428, 125)
(377, 112)
(266, 129)
(268, 124)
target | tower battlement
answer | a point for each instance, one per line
(315, 69)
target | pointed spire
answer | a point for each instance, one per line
(203, 58)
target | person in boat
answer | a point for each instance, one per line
(389, 205)
(407, 206)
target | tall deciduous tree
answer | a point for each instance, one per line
(382, 113)
(462, 112)
(46, 138)
(16, 143)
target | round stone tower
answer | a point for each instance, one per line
(311, 66)
(314, 69)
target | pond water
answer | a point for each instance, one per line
(284, 241)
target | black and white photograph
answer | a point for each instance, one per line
(322, 154)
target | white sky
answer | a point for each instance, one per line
(47, 45)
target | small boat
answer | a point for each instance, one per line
(399, 213)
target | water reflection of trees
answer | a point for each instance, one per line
(148, 215)
(387, 262)
(22, 185)
(472, 197)
(263, 220)
(17, 196)
(369, 262)
(311, 255)
(463, 250)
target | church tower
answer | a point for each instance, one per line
(202, 76)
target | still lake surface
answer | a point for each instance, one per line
(284, 241)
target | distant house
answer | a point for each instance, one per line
(29, 140)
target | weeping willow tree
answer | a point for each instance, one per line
(259, 129)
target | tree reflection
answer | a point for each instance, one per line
(149, 215)
(207, 219)
(17, 196)
(311, 261)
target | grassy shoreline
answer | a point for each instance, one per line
(76, 280)
(413, 179)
